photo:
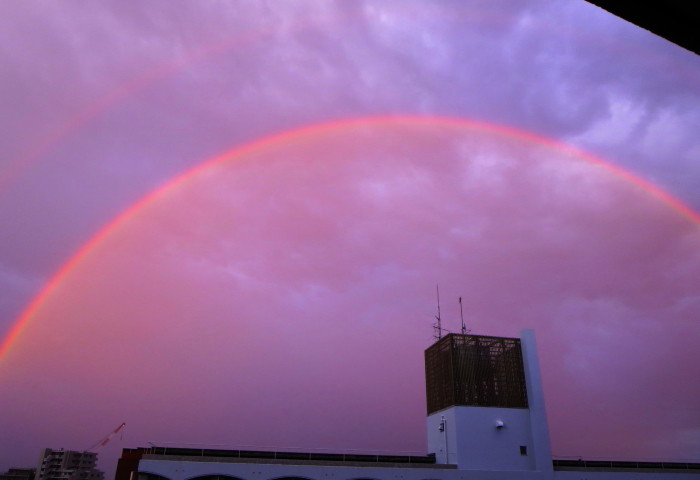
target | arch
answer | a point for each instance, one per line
(291, 478)
(151, 476)
(215, 476)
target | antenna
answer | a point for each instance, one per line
(438, 326)
(461, 314)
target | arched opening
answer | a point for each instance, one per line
(292, 478)
(215, 477)
(151, 476)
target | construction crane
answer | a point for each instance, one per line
(106, 439)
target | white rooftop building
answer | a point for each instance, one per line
(486, 420)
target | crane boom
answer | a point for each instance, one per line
(106, 439)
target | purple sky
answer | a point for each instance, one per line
(283, 296)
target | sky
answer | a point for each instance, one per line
(224, 222)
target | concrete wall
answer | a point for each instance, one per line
(189, 469)
(539, 429)
(631, 475)
(474, 442)
(186, 470)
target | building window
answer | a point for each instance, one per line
(523, 450)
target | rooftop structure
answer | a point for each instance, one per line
(18, 474)
(67, 465)
(486, 420)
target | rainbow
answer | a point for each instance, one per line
(14, 167)
(304, 134)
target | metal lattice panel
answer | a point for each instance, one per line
(475, 370)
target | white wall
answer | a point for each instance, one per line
(542, 452)
(185, 470)
(475, 443)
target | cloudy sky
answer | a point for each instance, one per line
(223, 222)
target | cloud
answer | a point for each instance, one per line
(332, 246)
(297, 282)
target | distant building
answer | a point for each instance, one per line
(486, 421)
(67, 465)
(18, 474)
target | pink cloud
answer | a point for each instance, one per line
(285, 298)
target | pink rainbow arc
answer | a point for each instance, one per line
(309, 131)
(11, 169)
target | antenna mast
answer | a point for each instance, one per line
(438, 326)
(461, 314)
